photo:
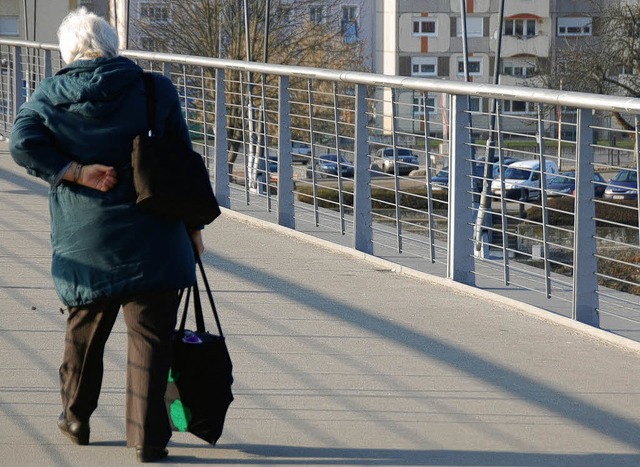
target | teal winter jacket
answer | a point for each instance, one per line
(104, 246)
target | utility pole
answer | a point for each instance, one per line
(26, 22)
(119, 15)
(28, 60)
(465, 51)
(490, 159)
(252, 159)
(264, 151)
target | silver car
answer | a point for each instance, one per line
(300, 152)
(383, 160)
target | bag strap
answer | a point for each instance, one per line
(183, 320)
(209, 294)
(149, 86)
(197, 304)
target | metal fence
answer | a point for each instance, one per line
(417, 171)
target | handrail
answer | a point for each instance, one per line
(494, 91)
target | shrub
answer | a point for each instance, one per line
(381, 198)
(621, 266)
(606, 213)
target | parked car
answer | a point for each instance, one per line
(272, 168)
(522, 180)
(383, 160)
(506, 162)
(327, 164)
(565, 184)
(440, 181)
(624, 185)
(300, 152)
(479, 171)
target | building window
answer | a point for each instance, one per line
(154, 12)
(317, 14)
(474, 66)
(628, 71)
(350, 23)
(518, 107)
(418, 106)
(8, 25)
(520, 27)
(286, 12)
(518, 69)
(574, 26)
(425, 27)
(152, 44)
(475, 26)
(424, 66)
(475, 103)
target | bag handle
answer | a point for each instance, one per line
(183, 320)
(149, 86)
(197, 304)
(209, 294)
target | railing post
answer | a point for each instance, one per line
(585, 262)
(48, 68)
(17, 80)
(460, 262)
(205, 122)
(286, 216)
(362, 221)
(166, 69)
(221, 165)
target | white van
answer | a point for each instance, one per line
(522, 180)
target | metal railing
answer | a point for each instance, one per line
(330, 153)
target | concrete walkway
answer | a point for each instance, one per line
(338, 361)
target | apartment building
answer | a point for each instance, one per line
(420, 38)
(354, 19)
(424, 38)
(38, 20)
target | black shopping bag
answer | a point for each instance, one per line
(170, 178)
(199, 387)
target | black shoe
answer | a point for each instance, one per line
(150, 454)
(77, 431)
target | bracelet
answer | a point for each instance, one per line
(77, 172)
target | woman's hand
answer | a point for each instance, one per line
(97, 176)
(196, 241)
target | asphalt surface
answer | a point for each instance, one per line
(338, 360)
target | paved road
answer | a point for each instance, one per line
(338, 361)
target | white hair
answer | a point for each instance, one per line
(86, 36)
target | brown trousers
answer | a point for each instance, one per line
(150, 320)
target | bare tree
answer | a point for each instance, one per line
(299, 34)
(607, 62)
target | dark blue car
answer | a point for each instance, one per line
(623, 186)
(327, 164)
(565, 184)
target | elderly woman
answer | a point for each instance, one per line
(76, 133)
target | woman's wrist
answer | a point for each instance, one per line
(77, 172)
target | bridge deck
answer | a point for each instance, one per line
(338, 361)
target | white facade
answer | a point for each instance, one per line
(424, 38)
(42, 18)
(414, 32)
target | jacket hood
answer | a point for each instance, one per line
(92, 88)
